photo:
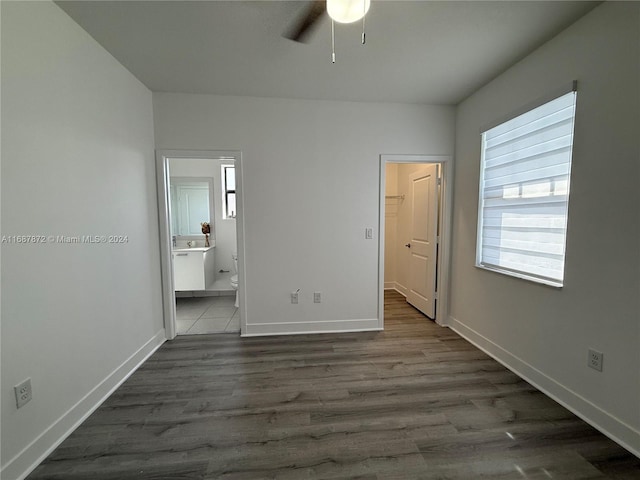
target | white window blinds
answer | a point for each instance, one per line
(524, 192)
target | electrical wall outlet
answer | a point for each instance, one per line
(294, 297)
(317, 297)
(595, 359)
(23, 393)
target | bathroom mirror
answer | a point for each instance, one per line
(191, 204)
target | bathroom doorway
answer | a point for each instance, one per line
(200, 209)
(414, 226)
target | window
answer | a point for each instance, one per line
(228, 191)
(524, 193)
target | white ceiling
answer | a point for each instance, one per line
(416, 51)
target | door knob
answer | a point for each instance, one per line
(408, 245)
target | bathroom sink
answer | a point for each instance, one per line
(192, 249)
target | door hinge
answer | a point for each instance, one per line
(435, 296)
(438, 240)
(439, 181)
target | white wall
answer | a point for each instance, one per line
(542, 332)
(224, 228)
(77, 159)
(310, 181)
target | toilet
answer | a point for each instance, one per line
(234, 277)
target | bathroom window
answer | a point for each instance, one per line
(228, 191)
(524, 193)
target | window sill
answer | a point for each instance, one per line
(522, 276)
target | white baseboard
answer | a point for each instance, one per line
(614, 428)
(299, 328)
(33, 454)
(401, 289)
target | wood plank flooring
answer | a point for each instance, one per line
(413, 402)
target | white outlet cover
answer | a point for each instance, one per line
(595, 359)
(23, 393)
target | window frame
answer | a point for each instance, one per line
(226, 192)
(539, 279)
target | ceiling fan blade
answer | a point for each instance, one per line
(304, 25)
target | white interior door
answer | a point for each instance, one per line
(423, 245)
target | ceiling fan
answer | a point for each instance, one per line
(300, 29)
(341, 11)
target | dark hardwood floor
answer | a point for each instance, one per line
(413, 402)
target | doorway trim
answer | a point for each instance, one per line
(446, 215)
(164, 222)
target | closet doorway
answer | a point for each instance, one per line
(415, 222)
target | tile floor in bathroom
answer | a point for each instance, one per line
(213, 314)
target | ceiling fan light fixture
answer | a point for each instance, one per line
(347, 11)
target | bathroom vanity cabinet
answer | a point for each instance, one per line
(193, 268)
